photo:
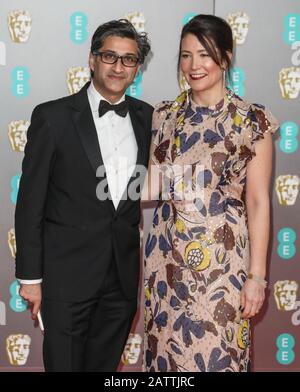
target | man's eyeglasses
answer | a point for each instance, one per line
(128, 60)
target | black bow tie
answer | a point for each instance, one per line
(121, 108)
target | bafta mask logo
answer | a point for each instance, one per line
(17, 133)
(137, 19)
(239, 22)
(11, 239)
(285, 293)
(132, 349)
(18, 347)
(77, 77)
(287, 187)
(289, 82)
(19, 25)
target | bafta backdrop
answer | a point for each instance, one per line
(44, 50)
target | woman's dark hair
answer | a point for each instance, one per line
(121, 28)
(214, 34)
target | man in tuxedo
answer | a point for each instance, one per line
(77, 240)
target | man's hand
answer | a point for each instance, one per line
(33, 294)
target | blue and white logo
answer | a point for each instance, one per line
(78, 33)
(291, 28)
(288, 142)
(285, 344)
(20, 85)
(286, 238)
(15, 182)
(17, 303)
(188, 17)
(135, 89)
(236, 79)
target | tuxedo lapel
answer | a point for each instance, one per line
(86, 130)
(136, 117)
(85, 127)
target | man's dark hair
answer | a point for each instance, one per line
(214, 34)
(124, 29)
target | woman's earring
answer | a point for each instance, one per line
(224, 79)
(184, 86)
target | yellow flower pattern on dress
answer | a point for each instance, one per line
(243, 334)
(196, 256)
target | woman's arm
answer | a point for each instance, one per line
(153, 181)
(258, 209)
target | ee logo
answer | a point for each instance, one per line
(291, 28)
(15, 182)
(20, 86)
(135, 89)
(236, 81)
(286, 238)
(188, 17)
(78, 33)
(288, 142)
(16, 302)
(285, 344)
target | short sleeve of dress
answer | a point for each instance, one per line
(259, 122)
(160, 139)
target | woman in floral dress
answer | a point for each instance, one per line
(205, 260)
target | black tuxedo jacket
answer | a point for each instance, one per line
(64, 233)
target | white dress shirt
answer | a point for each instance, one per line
(118, 149)
(117, 144)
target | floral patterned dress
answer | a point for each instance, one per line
(197, 252)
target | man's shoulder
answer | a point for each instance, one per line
(58, 109)
(55, 103)
(138, 102)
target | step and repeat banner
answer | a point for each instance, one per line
(44, 48)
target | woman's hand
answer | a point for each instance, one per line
(252, 298)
